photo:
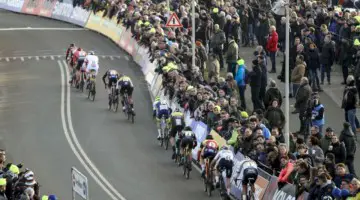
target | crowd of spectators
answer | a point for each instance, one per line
(17, 184)
(317, 161)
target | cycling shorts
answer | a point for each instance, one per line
(127, 88)
(187, 142)
(175, 129)
(79, 64)
(112, 80)
(226, 165)
(209, 153)
(164, 113)
(250, 175)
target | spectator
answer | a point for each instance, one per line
(272, 93)
(287, 168)
(241, 81)
(315, 132)
(338, 149)
(355, 189)
(271, 47)
(318, 116)
(255, 84)
(2, 189)
(347, 137)
(264, 79)
(244, 145)
(323, 189)
(275, 115)
(326, 140)
(213, 67)
(329, 164)
(232, 55)
(349, 102)
(217, 42)
(303, 153)
(327, 59)
(313, 66)
(316, 152)
(303, 97)
(341, 174)
(298, 73)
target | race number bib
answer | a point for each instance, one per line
(188, 134)
(212, 145)
(178, 122)
(227, 156)
(163, 107)
(93, 64)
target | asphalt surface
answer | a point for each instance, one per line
(127, 155)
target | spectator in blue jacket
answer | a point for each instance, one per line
(240, 79)
(318, 118)
(341, 175)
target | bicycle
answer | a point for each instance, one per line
(91, 86)
(163, 131)
(82, 80)
(113, 99)
(222, 189)
(187, 163)
(249, 193)
(128, 110)
(208, 179)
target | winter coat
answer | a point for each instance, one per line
(232, 52)
(347, 136)
(325, 142)
(275, 117)
(298, 72)
(218, 39)
(327, 54)
(339, 151)
(271, 94)
(302, 97)
(317, 155)
(313, 61)
(255, 76)
(240, 75)
(350, 97)
(272, 42)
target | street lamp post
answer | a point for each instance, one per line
(287, 84)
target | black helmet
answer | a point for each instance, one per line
(72, 45)
(209, 137)
(188, 128)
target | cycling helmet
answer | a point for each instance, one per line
(177, 110)
(72, 45)
(157, 98)
(224, 147)
(79, 49)
(163, 102)
(91, 53)
(209, 137)
(188, 128)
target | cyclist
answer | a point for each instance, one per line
(112, 76)
(208, 148)
(92, 62)
(124, 84)
(248, 173)
(78, 60)
(70, 51)
(177, 121)
(157, 100)
(187, 138)
(223, 161)
(161, 109)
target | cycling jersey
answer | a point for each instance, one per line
(124, 81)
(188, 139)
(112, 76)
(70, 51)
(177, 123)
(249, 171)
(92, 63)
(79, 56)
(210, 148)
(162, 110)
(224, 161)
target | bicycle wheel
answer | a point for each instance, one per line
(115, 104)
(161, 136)
(209, 183)
(89, 92)
(166, 138)
(188, 167)
(132, 118)
(93, 91)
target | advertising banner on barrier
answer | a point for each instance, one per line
(66, 12)
(200, 130)
(105, 26)
(13, 5)
(128, 43)
(39, 7)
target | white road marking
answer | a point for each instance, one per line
(43, 29)
(29, 57)
(111, 58)
(37, 57)
(103, 56)
(59, 56)
(127, 58)
(22, 59)
(118, 57)
(104, 184)
(7, 59)
(14, 58)
(52, 57)
(44, 57)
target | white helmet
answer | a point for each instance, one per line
(91, 53)
(163, 102)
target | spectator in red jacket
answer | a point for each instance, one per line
(271, 47)
(287, 168)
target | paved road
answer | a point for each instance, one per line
(31, 125)
(126, 155)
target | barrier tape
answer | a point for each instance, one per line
(117, 33)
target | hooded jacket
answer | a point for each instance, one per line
(347, 136)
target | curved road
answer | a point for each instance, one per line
(31, 122)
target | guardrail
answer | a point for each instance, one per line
(64, 11)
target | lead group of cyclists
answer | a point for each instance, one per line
(221, 160)
(88, 63)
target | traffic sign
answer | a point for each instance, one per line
(79, 184)
(174, 21)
